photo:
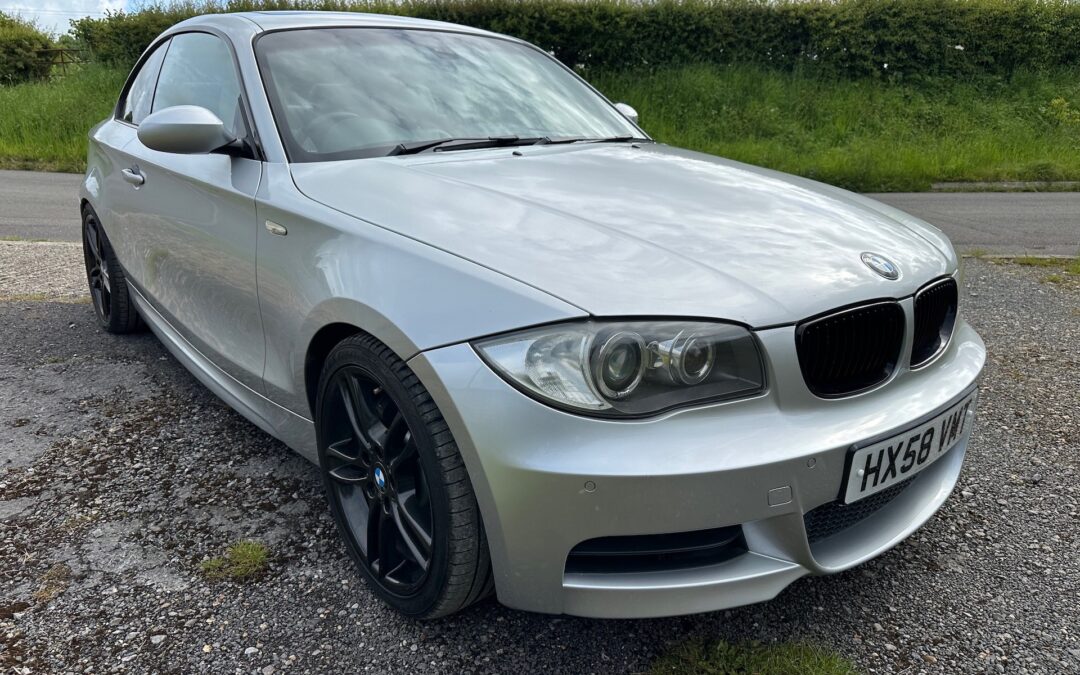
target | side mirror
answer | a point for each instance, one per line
(627, 111)
(184, 129)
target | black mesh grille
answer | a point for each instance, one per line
(935, 315)
(657, 552)
(852, 350)
(829, 519)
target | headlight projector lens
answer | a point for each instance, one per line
(692, 359)
(620, 364)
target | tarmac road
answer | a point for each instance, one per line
(37, 205)
(1039, 223)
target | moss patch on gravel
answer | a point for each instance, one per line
(243, 561)
(53, 582)
(724, 658)
(1067, 270)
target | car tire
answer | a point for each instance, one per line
(396, 484)
(108, 285)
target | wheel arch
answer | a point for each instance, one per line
(330, 322)
(319, 347)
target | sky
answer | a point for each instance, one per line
(53, 16)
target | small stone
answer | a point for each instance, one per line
(878, 628)
(157, 639)
(890, 647)
(251, 651)
(929, 658)
(207, 648)
(269, 670)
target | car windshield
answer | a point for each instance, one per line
(345, 93)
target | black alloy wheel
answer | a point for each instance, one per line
(372, 458)
(108, 285)
(393, 476)
(97, 269)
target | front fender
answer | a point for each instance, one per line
(332, 268)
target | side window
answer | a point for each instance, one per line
(199, 70)
(141, 93)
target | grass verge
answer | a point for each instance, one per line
(242, 561)
(722, 658)
(866, 135)
(43, 125)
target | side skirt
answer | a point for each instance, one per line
(291, 429)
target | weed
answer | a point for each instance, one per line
(243, 561)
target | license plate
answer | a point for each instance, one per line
(875, 467)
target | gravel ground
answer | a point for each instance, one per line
(119, 474)
(51, 270)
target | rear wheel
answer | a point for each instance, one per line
(397, 487)
(108, 285)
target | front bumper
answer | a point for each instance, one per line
(547, 480)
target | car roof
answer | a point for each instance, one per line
(281, 20)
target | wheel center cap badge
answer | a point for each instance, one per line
(881, 265)
(380, 478)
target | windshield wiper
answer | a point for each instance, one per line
(556, 140)
(445, 144)
(416, 146)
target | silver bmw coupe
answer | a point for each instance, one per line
(532, 351)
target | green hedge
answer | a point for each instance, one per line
(845, 38)
(21, 56)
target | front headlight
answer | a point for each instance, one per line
(629, 368)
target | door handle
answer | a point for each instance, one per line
(133, 176)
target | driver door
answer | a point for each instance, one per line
(191, 220)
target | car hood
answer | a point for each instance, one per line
(650, 230)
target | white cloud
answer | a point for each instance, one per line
(54, 16)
